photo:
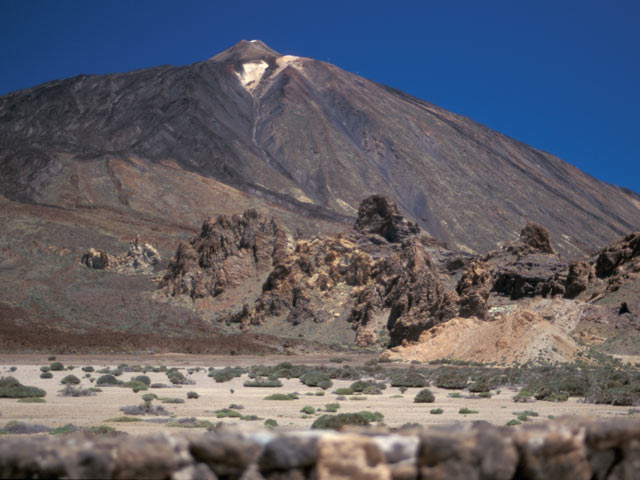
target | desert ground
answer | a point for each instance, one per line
(397, 407)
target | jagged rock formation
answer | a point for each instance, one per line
(568, 447)
(225, 252)
(141, 258)
(386, 275)
(377, 214)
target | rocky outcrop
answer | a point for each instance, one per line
(473, 290)
(379, 215)
(537, 237)
(566, 448)
(226, 251)
(141, 258)
(416, 295)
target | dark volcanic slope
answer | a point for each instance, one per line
(297, 134)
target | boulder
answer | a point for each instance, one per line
(379, 215)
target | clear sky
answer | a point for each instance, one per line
(562, 76)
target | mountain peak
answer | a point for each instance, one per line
(247, 51)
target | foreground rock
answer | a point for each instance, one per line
(565, 448)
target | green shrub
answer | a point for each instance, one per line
(107, 379)
(409, 378)
(513, 423)
(362, 385)
(309, 410)
(32, 400)
(12, 388)
(171, 400)
(343, 391)
(192, 395)
(332, 407)
(124, 419)
(263, 382)
(142, 379)
(46, 375)
(424, 396)
(451, 378)
(466, 411)
(190, 423)
(149, 397)
(270, 423)
(51, 358)
(176, 377)
(56, 366)
(436, 411)
(45, 368)
(372, 416)
(335, 422)
(227, 412)
(282, 396)
(316, 379)
(135, 386)
(70, 380)
(88, 369)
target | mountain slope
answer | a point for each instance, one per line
(297, 134)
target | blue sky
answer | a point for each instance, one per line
(562, 76)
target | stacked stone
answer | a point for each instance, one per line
(565, 448)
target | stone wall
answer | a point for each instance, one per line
(566, 448)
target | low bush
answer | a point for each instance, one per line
(144, 409)
(410, 378)
(227, 413)
(282, 396)
(171, 400)
(309, 410)
(316, 379)
(263, 382)
(56, 366)
(176, 377)
(46, 375)
(436, 411)
(88, 369)
(71, 391)
(142, 379)
(107, 379)
(513, 423)
(362, 385)
(23, 428)
(332, 407)
(372, 416)
(344, 391)
(335, 422)
(70, 380)
(32, 400)
(124, 419)
(45, 368)
(192, 395)
(451, 378)
(190, 422)
(12, 388)
(270, 423)
(466, 411)
(424, 396)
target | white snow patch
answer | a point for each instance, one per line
(252, 74)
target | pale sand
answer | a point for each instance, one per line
(95, 410)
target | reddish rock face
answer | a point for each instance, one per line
(537, 237)
(226, 252)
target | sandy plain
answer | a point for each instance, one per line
(398, 408)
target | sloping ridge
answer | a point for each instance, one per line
(308, 137)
